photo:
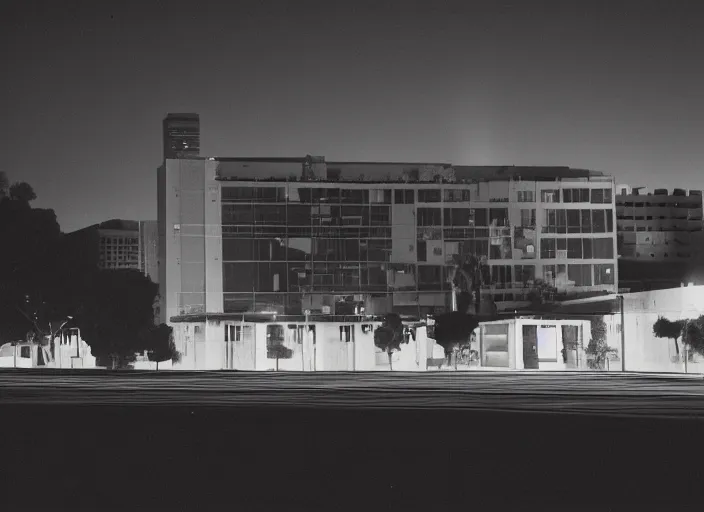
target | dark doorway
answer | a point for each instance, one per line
(530, 347)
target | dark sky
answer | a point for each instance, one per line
(608, 85)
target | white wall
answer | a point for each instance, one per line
(203, 347)
(643, 351)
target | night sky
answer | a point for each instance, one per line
(607, 85)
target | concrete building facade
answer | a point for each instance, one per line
(296, 236)
(659, 225)
(122, 244)
(355, 237)
(660, 237)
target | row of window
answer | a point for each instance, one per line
(577, 248)
(401, 196)
(577, 195)
(578, 221)
(283, 278)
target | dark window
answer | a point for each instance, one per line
(587, 248)
(429, 216)
(237, 214)
(581, 274)
(603, 248)
(498, 216)
(405, 196)
(422, 250)
(253, 194)
(573, 221)
(429, 195)
(239, 277)
(598, 196)
(599, 221)
(528, 218)
(501, 275)
(603, 274)
(451, 195)
(238, 249)
(609, 221)
(380, 216)
(574, 248)
(524, 273)
(456, 216)
(586, 218)
(26, 352)
(481, 216)
(547, 248)
(429, 277)
(526, 196)
(550, 196)
(354, 196)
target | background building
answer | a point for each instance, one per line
(181, 135)
(121, 244)
(660, 236)
(296, 235)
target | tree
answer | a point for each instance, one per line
(275, 347)
(4, 185)
(690, 330)
(115, 308)
(23, 192)
(664, 328)
(597, 347)
(32, 288)
(453, 332)
(389, 336)
(158, 340)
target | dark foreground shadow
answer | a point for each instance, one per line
(156, 458)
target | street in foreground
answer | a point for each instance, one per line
(146, 441)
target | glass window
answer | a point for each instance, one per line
(430, 277)
(586, 221)
(604, 274)
(429, 216)
(580, 274)
(603, 248)
(498, 216)
(453, 195)
(574, 248)
(573, 221)
(456, 216)
(609, 221)
(524, 273)
(550, 196)
(528, 218)
(587, 248)
(547, 248)
(429, 195)
(494, 345)
(599, 221)
(404, 196)
(526, 196)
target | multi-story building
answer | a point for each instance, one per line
(181, 135)
(300, 235)
(660, 236)
(122, 244)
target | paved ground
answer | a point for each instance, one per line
(195, 441)
(611, 394)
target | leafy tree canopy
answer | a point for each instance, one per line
(115, 309)
(159, 342)
(22, 192)
(389, 335)
(453, 330)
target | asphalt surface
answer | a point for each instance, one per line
(380, 441)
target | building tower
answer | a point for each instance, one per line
(181, 136)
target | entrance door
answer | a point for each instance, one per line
(530, 347)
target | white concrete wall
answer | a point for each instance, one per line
(203, 347)
(643, 351)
